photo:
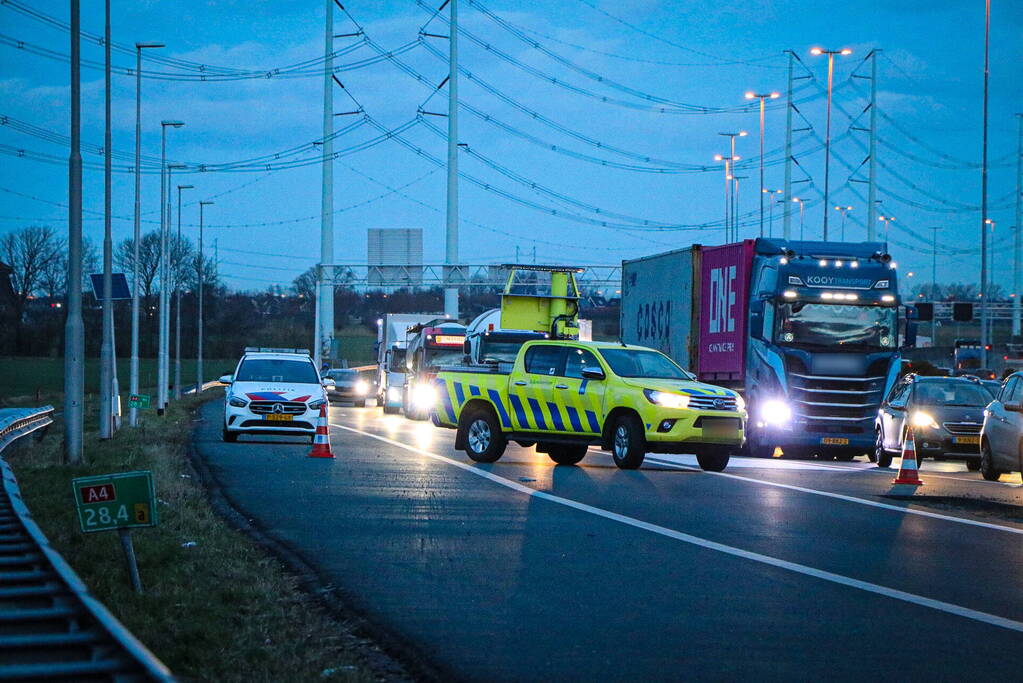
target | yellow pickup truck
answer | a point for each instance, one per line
(563, 396)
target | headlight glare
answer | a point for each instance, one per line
(393, 394)
(775, 412)
(362, 387)
(666, 399)
(924, 420)
(424, 396)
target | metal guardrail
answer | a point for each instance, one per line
(50, 626)
(204, 387)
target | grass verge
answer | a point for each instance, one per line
(221, 610)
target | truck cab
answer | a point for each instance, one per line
(429, 346)
(823, 345)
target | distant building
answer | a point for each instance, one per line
(395, 256)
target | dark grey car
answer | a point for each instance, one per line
(1001, 446)
(349, 385)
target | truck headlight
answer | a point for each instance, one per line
(318, 403)
(775, 412)
(924, 420)
(666, 399)
(362, 387)
(424, 396)
(237, 402)
(393, 394)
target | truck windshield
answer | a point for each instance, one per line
(648, 364)
(835, 325)
(500, 351)
(434, 358)
(277, 370)
(397, 360)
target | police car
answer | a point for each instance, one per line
(273, 391)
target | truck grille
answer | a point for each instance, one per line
(712, 403)
(970, 428)
(836, 399)
(287, 407)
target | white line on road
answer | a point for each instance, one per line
(948, 608)
(840, 496)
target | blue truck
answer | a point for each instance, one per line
(809, 332)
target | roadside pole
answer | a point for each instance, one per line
(451, 222)
(106, 352)
(325, 299)
(74, 331)
(786, 229)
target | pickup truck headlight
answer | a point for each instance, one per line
(424, 396)
(318, 403)
(362, 387)
(666, 399)
(922, 420)
(237, 402)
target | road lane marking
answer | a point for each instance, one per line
(847, 498)
(895, 594)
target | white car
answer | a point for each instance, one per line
(273, 391)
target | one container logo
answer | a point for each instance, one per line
(722, 300)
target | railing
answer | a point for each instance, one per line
(50, 626)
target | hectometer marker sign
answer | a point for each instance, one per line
(115, 501)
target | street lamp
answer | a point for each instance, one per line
(133, 386)
(728, 177)
(177, 304)
(887, 220)
(164, 322)
(198, 345)
(990, 259)
(735, 201)
(731, 225)
(827, 135)
(802, 204)
(762, 97)
(770, 221)
(843, 210)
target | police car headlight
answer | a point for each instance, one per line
(362, 387)
(775, 412)
(666, 399)
(424, 396)
(237, 402)
(318, 403)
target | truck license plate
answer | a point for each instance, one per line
(834, 441)
(974, 440)
(277, 417)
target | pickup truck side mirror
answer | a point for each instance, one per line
(226, 379)
(593, 373)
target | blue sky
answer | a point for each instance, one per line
(695, 52)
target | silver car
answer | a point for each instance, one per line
(1001, 445)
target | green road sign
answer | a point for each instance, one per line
(138, 401)
(115, 501)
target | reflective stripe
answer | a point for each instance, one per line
(537, 413)
(594, 425)
(446, 397)
(496, 398)
(582, 387)
(459, 394)
(556, 416)
(520, 412)
(474, 390)
(573, 417)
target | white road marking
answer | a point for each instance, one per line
(661, 460)
(912, 598)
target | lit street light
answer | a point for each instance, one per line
(827, 135)
(801, 207)
(177, 304)
(887, 220)
(762, 97)
(770, 220)
(844, 210)
(133, 386)
(728, 195)
(162, 366)
(731, 227)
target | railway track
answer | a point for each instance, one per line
(50, 626)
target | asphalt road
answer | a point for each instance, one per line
(521, 570)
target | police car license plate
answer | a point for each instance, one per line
(834, 441)
(968, 440)
(277, 417)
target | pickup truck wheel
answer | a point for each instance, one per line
(882, 457)
(712, 462)
(628, 443)
(484, 440)
(567, 454)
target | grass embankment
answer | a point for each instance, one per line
(221, 610)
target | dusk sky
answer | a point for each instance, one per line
(696, 53)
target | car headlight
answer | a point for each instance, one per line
(424, 396)
(924, 420)
(393, 394)
(666, 399)
(318, 403)
(237, 402)
(775, 412)
(362, 387)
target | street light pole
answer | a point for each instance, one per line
(770, 196)
(177, 303)
(827, 135)
(762, 97)
(161, 350)
(728, 195)
(324, 335)
(133, 386)
(199, 327)
(983, 194)
(934, 280)
(843, 210)
(106, 349)
(801, 206)
(731, 227)
(1016, 233)
(451, 217)
(74, 330)
(990, 279)
(887, 220)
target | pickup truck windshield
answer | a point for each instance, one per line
(835, 325)
(648, 364)
(277, 370)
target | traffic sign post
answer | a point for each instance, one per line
(117, 502)
(138, 401)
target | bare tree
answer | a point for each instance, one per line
(27, 252)
(149, 261)
(305, 284)
(53, 280)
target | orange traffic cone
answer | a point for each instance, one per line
(321, 442)
(909, 474)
